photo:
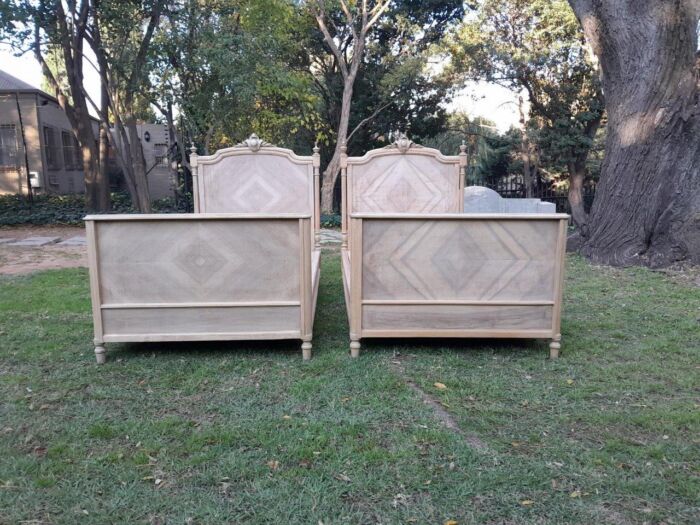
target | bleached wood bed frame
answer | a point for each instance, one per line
(244, 266)
(416, 265)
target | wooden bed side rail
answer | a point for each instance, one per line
(187, 277)
(456, 275)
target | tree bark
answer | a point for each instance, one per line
(103, 179)
(70, 38)
(330, 175)
(577, 176)
(647, 205)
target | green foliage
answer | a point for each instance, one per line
(331, 221)
(248, 433)
(395, 88)
(236, 67)
(70, 209)
(536, 47)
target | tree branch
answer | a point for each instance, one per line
(368, 119)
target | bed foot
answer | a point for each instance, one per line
(354, 349)
(306, 350)
(555, 346)
(100, 354)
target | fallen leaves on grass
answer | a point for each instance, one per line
(440, 386)
(527, 502)
(273, 464)
(342, 477)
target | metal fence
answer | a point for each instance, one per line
(513, 187)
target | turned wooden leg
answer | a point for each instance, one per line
(354, 348)
(100, 354)
(555, 346)
(306, 350)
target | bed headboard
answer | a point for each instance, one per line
(402, 178)
(255, 176)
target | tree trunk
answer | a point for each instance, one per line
(141, 198)
(330, 175)
(647, 205)
(103, 179)
(577, 176)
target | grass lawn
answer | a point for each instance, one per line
(248, 433)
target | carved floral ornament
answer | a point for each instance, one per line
(403, 143)
(254, 143)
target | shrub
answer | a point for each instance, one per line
(331, 221)
(70, 209)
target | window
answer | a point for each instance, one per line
(53, 152)
(72, 156)
(78, 153)
(161, 153)
(8, 146)
(68, 150)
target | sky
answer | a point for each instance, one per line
(478, 99)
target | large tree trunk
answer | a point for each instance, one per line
(647, 205)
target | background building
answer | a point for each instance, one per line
(33, 117)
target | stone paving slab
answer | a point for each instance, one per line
(35, 241)
(78, 240)
(5, 240)
(330, 237)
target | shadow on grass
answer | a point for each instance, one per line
(467, 347)
(196, 349)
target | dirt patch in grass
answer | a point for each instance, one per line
(17, 260)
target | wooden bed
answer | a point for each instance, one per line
(244, 266)
(416, 265)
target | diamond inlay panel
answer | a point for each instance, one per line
(404, 183)
(256, 182)
(174, 261)
(485, 260)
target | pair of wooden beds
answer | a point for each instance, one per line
(421, 256)
(417, 263)
(244, 266)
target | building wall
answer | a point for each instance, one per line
(14, 180)
(39, 112)
(64, 178)
(161, 181)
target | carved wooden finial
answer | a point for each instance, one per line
(403, 143)
(343, 147)
(463, 147)
(254, 143)
(193, 149)
(316, 148)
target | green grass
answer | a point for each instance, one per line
(248, 433)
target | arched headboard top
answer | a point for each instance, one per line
(257, 177)
(404, 178)
(253, 145)
(404, 146)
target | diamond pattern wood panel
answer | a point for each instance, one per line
(198, 261)
(484, 260)
(406, 182)
(256, 182)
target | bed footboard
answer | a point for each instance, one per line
(455, 275)
(199, 277)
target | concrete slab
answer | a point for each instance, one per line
(5, 240)
(35, 241)
(331, 237)
(78, 240)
